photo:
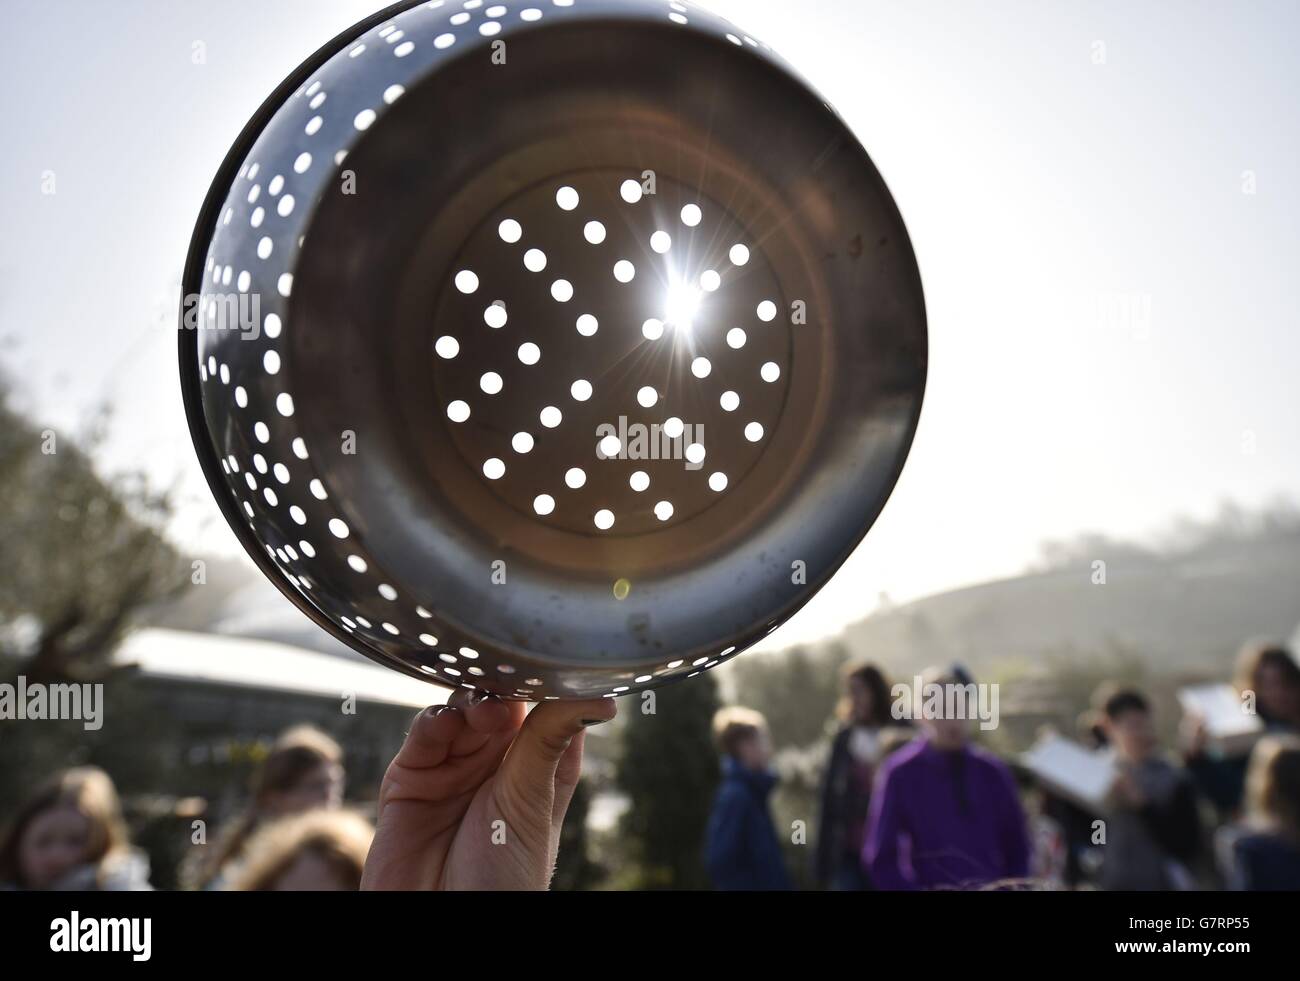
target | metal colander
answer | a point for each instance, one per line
(579, 342)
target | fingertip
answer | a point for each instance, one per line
(462, 697)
(437, 724)
(576, 716)
(490, 714)
(596, 711)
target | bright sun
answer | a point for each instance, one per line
(682, 304)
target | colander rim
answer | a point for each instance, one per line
(188, 343)
(191, 384)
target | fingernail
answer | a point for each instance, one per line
(592, 722)
(483, 696)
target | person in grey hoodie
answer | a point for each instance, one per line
(1153, 831)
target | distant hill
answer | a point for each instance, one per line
(1166, 616)
(1182, 612)
(1185, 608)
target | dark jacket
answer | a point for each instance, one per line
(845, 798)
(1264, 862)
(742, 850)
(1222, 779)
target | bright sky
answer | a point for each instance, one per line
(1113, 326)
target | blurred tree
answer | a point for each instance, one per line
(82, 554)
(669, 771)
(796, 689)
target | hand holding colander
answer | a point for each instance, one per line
(586, 342)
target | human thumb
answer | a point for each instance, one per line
(527, 775)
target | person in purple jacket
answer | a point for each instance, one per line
(945, 813)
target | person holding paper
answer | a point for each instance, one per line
(1152, 829)
(1268, 676)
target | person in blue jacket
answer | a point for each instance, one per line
(743, 851)
(1262, 853)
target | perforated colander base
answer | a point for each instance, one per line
(626, 368)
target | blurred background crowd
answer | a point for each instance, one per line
(242, 748)
(898, 805)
